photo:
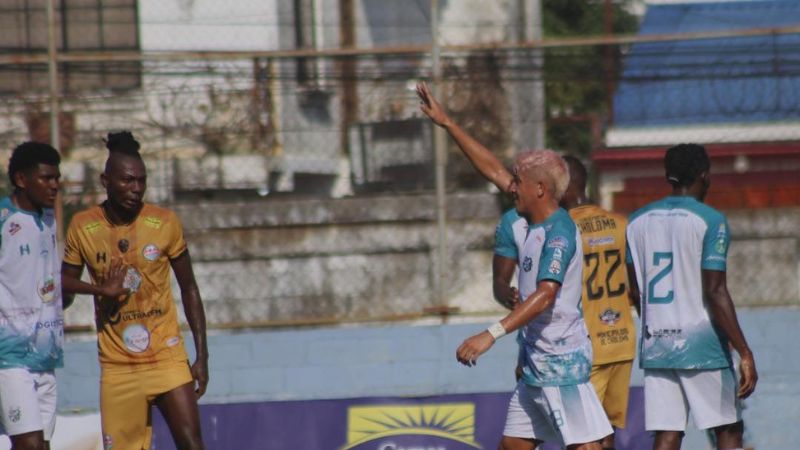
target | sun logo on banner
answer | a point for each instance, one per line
(448, 425)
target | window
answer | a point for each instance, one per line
(82, 25)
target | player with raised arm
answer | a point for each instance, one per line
(554, 400)
(606, 305)
(677, 266)
(142, 356)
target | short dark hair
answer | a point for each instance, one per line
(123, 142)
(576, 165)
(28, 155)
(684, 163)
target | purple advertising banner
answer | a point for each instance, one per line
(447, 422)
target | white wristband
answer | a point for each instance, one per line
(496, 330)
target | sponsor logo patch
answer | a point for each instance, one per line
(47, 289)
(132, 280)
(152, 222)
(595, 242)
(136, 337)
(527, 264)
(722, 233)
(557, 242)
(14, 414)
(610, 317)
(14, 228)
(92, 227)
(555, 267)
(151, 252)
(558, 254)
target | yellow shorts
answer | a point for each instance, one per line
(612, 382)
(126, 397)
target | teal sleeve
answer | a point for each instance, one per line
(558, 251)
(504, 244)
(715, 245)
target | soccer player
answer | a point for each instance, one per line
(677, 259)
(554, 400)
(140, 345)
(606, 305)
(31, 314)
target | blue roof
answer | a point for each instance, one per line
(712, 81)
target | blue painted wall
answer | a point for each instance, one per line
(402, 360)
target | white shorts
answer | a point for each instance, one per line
(565, 415)
(669, 395)
(27, 401)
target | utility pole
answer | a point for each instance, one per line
(440, 152)
(529, 96)
(52, 79)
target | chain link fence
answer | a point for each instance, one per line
(303, 170)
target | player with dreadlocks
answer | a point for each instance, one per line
(677, 252)
(140, 345)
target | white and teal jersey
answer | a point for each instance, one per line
(555, 345)
(670, 243)
(31, 314)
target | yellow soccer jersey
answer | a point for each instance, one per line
(606, 308)
(143, 329)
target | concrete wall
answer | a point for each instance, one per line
(333, 260)
(406, 360)
(369, 257)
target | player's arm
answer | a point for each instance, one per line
(484, 160)
(71, 283)
(535, 304)
(502, 271)
(195, 315)
(723, 314)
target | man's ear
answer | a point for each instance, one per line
(704, 177)
(104, 180)
(21, 179)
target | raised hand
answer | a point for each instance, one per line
(432, 108)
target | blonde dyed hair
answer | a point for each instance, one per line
(545, 166)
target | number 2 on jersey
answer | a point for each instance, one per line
(594, 288)
(660, 258)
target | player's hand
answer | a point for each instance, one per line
(112, 287)
(432, 108)
(473, 347)
(748, 376)
(200, 375)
